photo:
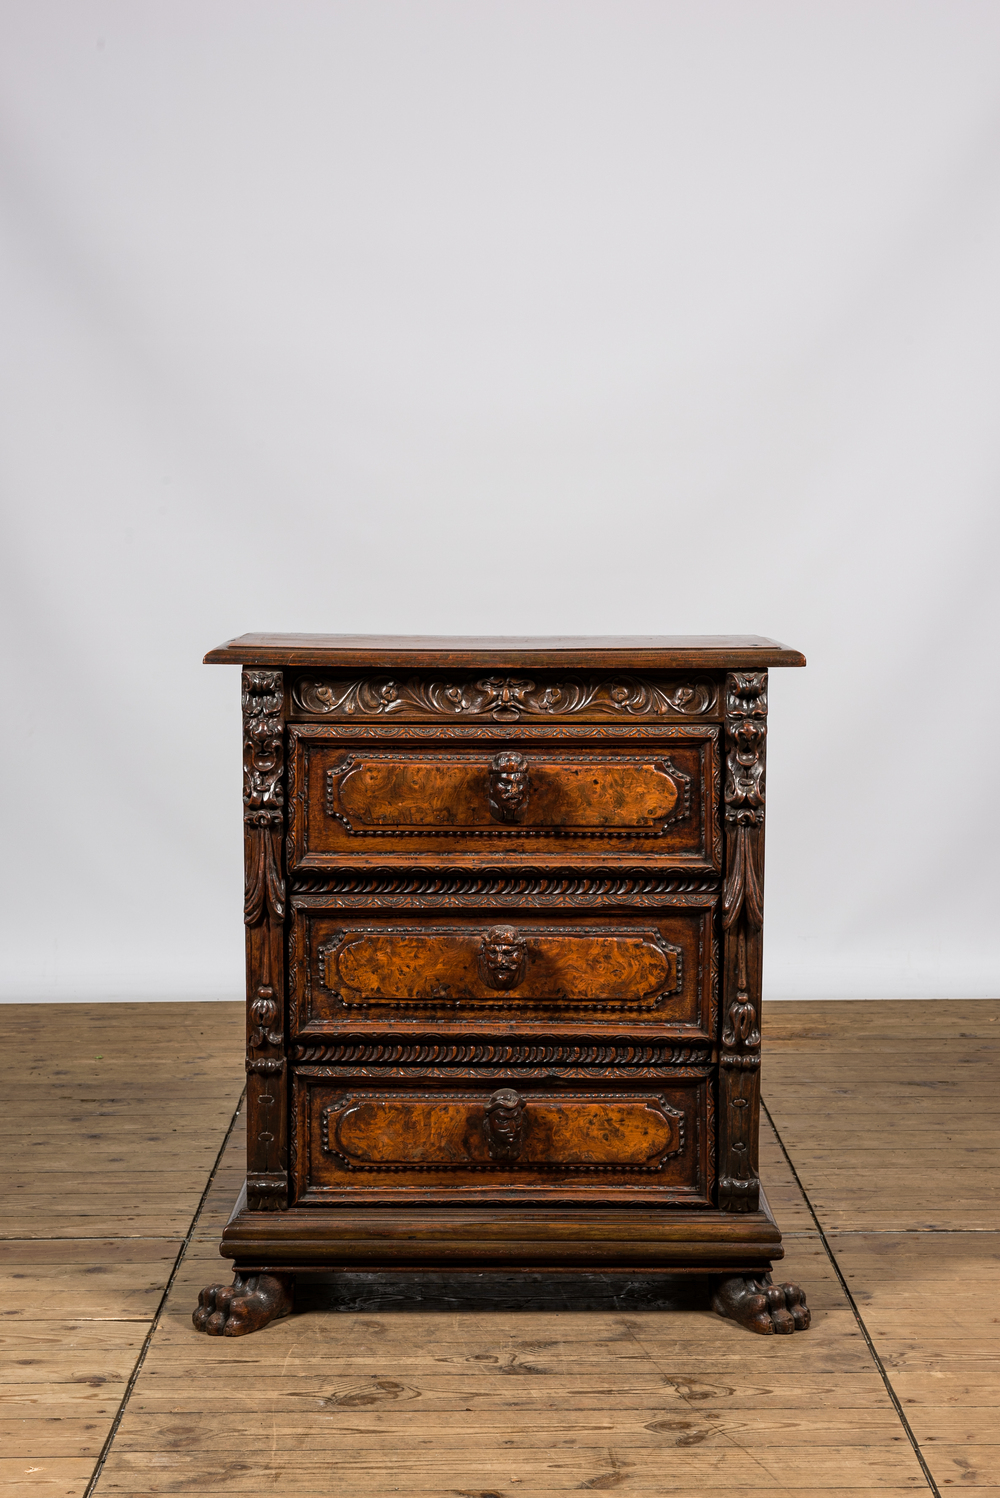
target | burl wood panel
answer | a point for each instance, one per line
(498, 1142)
(410, 964)
(466, 971)
(423, 801)
(367, 790)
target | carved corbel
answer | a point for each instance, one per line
(264, 914)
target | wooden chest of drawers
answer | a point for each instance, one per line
(504, 902)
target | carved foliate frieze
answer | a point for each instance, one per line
(746, 732)
(346, 729)
(505, 699)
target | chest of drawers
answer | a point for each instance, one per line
(503, 904)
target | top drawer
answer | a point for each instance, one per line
(518, 796)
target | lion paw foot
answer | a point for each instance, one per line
(249, 1303)
(761, 1306)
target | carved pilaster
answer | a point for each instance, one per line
(746, 732)
(264, 914)
(742, 918)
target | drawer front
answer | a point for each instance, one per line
(514, 801)
(473, 969)
(500, 1140)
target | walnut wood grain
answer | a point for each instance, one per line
(605, 652)
(400, 1130)
(418, 803)
(480, 1236)
(628, 967)
(360, 1139)
(504, 904)
(503, 698)
(604, 972)
(452, 794)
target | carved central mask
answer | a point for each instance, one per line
(508, 786)
(502, 958)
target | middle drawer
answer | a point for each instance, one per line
(476, 971)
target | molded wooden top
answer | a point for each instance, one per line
(534, 652)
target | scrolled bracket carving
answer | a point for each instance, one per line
(266, 1193)
(503, 958)
(263, 1015)
(746, 732)
(509, 789)
(503, 1124)
(741, 1032)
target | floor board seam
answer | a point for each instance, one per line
(893, 1396)
(178, 1261)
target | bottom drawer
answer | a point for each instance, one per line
(357, 1140)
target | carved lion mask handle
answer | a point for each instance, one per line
(503, 1124)
(508, 793)
(503, 958)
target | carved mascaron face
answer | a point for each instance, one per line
(508, 785)
(504, 1121)
(502, 958)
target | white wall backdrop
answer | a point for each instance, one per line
(520, 316)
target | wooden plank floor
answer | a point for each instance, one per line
(881, 1168)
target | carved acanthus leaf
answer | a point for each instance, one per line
(505, 699)
(741, 1030)
(746, 732)
(263, 794)
(263, 757)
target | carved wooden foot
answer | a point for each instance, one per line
(761, 1306)
(249, 1303)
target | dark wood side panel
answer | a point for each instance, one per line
(742, 919)
(499, 1141)
(264, 913)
